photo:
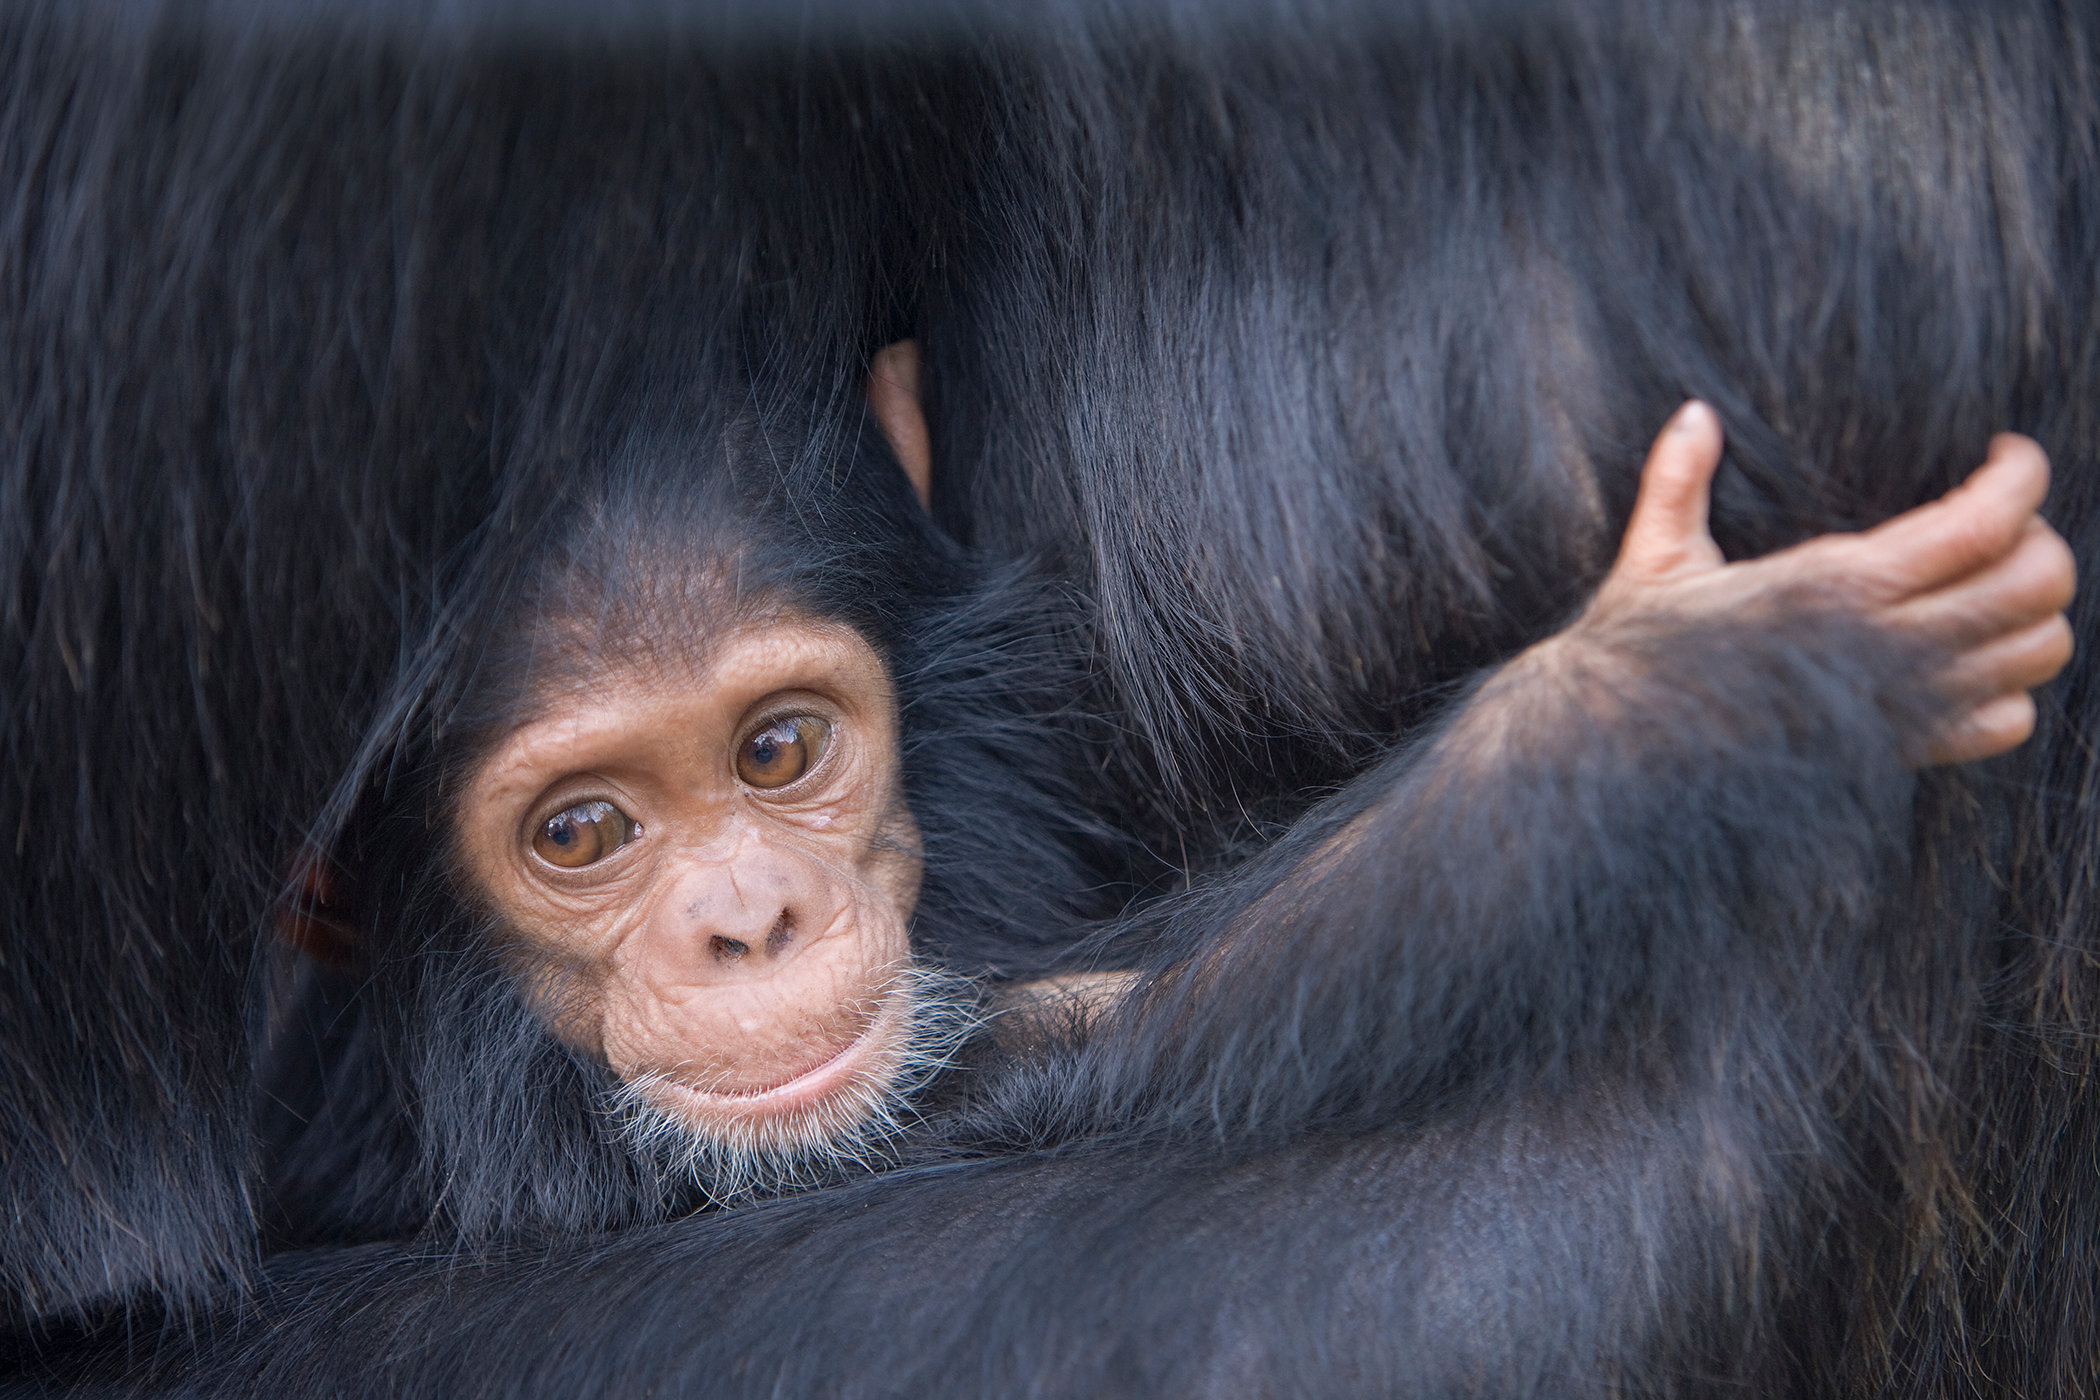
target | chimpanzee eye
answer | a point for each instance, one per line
(580, 835)
(782, 752)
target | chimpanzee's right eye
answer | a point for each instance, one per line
(582, 835)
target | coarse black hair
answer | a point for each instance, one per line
(1312, 347)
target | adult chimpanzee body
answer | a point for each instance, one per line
(1378, 322)
(1606, 208)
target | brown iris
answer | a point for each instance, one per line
(782, 752)
(580, 835)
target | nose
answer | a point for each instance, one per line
(738, 915)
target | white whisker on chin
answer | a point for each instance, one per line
(731, 1158)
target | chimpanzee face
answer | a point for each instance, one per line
(706, 859)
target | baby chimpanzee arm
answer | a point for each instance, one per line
(1682, 815)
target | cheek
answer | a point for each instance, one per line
(891, 866)
(571, 970)
(880, 911)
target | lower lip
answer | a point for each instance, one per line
(807, 1087)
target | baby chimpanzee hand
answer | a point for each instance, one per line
(1976, 579)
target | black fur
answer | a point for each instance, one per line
(1314, 354)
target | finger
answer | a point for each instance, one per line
(2036, 579)
(2030, 657)
(1971, 526)
(1667, 531)
(1990, 729)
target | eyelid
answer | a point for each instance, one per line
(790, 702)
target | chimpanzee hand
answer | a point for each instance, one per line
(1976, 577)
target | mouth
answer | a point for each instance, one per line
(857, 1059)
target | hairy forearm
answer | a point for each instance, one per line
(1614, 841)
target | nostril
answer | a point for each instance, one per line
(782, 934)
(727, 949)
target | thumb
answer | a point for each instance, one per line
(1667, 532)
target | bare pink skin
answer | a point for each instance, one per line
(740, 950)
(894, 399)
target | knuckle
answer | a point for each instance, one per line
(1834, 561)
(2063, 568)
(1994, 728)
(2061, 638)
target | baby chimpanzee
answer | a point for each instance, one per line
(673, 823)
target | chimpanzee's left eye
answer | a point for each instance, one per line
(782, 752)
(583, 835)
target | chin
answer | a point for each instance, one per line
(845, 1113)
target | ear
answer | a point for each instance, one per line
(316, 918)
(893, 397)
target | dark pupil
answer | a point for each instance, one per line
(561, 831)
(766, 751)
